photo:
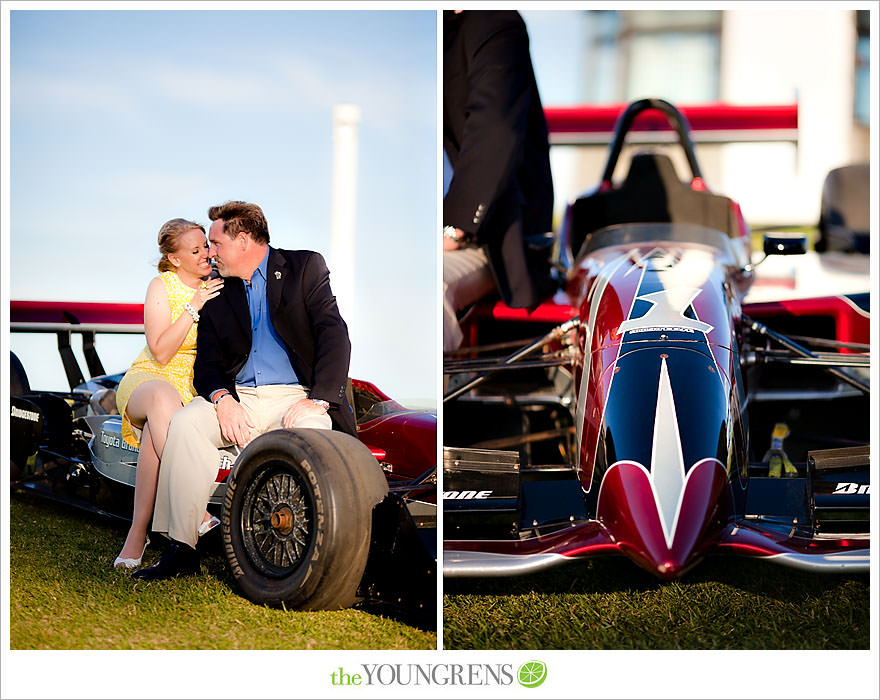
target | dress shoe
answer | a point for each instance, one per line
(178, 560)
(128, 562)
(208, 525)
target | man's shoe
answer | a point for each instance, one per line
(178, 560)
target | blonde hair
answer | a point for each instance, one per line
(168, 236)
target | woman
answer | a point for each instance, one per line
(160, 380)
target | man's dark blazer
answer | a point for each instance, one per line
(305, 316)
(495, 136)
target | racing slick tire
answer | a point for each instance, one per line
(297, 517)
(18, 380)
(24, 434)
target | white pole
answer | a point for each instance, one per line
(342, 219)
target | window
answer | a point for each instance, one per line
(672, 54)
(862, 97)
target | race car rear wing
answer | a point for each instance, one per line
(67, 317)
(27, 315)
(715, 122)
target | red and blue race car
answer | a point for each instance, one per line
(310, 519)
(647, 410)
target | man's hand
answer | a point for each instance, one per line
(452, 243)
(234, 423)
(449, 244)
(299, 410)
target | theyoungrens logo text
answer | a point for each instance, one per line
(426, 674)
(529, 675)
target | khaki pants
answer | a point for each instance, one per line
(466, 279)
(191, 459)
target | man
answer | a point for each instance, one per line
(501, 192)
(272, 352)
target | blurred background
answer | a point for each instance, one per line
(814, 59)
(121, 120)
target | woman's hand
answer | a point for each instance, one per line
(208, 290)
(164, 338)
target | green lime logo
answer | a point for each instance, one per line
(531, 674)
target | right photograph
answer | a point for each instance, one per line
(656, 329)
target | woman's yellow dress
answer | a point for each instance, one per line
(178, 371)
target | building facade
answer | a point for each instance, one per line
(817, 59)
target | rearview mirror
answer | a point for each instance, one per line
(779, 243)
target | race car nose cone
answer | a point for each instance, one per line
(669, 570)
(629, 507)
(660, 505)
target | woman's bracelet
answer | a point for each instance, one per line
(192, 312)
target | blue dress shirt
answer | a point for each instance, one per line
(268, 361)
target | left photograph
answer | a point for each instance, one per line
(223, 329)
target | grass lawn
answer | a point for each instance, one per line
(609, 603)
(64, 595)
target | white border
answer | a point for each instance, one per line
(572, 674)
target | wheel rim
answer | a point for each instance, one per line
(277, 520)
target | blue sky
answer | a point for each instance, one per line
(121, 120)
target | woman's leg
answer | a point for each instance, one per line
(155, 402)
(151, 406)
(146, 477)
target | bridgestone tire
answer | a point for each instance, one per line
(18, 381)
(23, 442)
(297, 517)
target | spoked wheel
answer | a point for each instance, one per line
(297, 518)
(278, 520)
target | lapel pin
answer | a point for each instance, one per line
(277, 275)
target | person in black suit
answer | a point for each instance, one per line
(501, 192)
(272, 352)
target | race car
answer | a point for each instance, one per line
(310, 519)
(647, 410)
